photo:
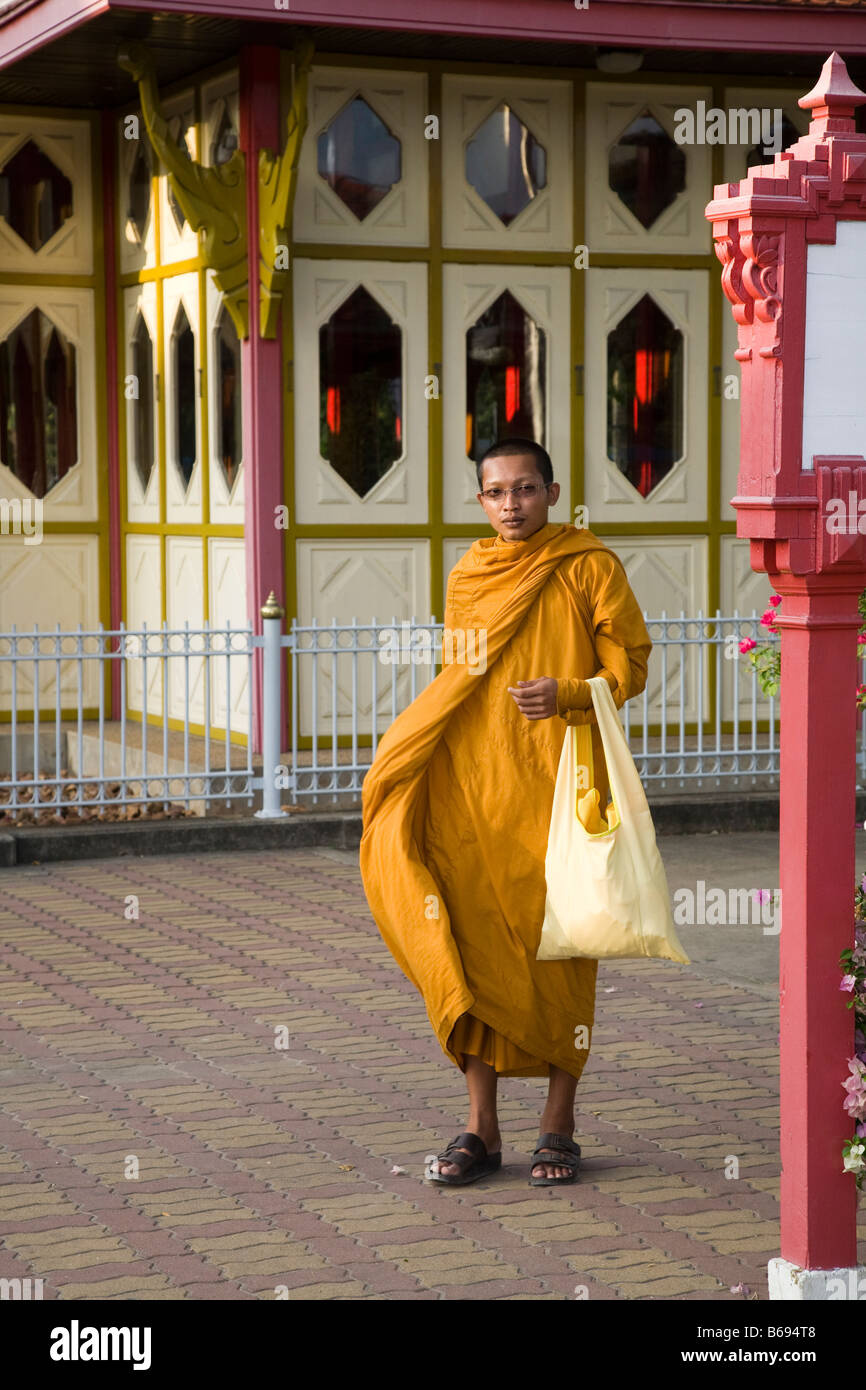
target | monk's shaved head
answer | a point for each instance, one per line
(508, 448)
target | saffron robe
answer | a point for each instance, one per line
(456, 804)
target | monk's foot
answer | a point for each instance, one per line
(551, 1124)
(488, 1133)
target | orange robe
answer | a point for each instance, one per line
(457, 802)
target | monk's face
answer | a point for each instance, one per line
(516, 518)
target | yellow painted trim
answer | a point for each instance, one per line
(178, 528)
(164, 271)
(83, 282)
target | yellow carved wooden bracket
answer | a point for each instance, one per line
(278, 177)
(213, 199)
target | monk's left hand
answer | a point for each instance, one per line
(535, 699)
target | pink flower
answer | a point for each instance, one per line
(747, 644)
(848, 982)
(775, 600)
(768, 619)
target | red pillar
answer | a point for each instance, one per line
(819, 620)
(261, 371)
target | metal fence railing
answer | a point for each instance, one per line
(184, 735)
(701, 723)
(55, 760)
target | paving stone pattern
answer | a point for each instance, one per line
(159, 1141)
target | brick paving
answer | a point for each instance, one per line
(207, 1101)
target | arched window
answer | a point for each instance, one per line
(38, 410)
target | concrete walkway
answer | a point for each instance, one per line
(159, 1140)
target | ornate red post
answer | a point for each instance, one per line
(786, 236)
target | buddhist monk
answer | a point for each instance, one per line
(457, 803)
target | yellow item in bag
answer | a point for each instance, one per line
(607, 892)
(589, 811)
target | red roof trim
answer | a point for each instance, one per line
(673, 24)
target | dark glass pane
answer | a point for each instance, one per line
(38, 410)
(360, 391)
(647, 169)
(60, 422)
(229, 387)
(790, 136)
(184, 394)
(139, 191)
(645, 395)
(142, 429)
(225, 141)
(182, 126)
(506, 377)
(505, 164)
(359, 157)
(35, 198)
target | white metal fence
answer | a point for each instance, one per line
(701, 724)
(53, 760)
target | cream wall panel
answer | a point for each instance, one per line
(745, 591)
(611, 226)
(75, 497)
(322, 496)
(400, 101)
(141, 505)
(183, 503)
(226, 505)
(177, 244)
(131, 131)
(227, 604)
(668, 574)
(143, 605)
(67, 143)
(184, 602)
(56, 581)
(468, 291)
(544, 107)
(682, 494)
(346, 579)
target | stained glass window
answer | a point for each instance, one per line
(506, 376)
(229, 397)
(35, 197)
(360, 391)
(142, 402)
(646, 168)
(359, 157)
(505, 164)
(38, 410)
(645, 414)
(183, 353)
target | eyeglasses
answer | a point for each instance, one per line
(496, 494)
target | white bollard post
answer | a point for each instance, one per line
(272, 616)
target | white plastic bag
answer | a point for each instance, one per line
(607, 894)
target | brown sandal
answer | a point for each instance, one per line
(478, 1163)
(566, 1155)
